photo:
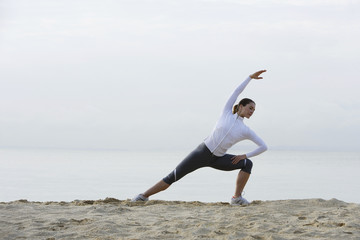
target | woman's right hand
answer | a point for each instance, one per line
(238, 158)
(257, 74)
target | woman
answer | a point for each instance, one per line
(229, 130)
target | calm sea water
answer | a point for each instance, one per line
(59, 175)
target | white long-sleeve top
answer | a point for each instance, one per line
(230, 129)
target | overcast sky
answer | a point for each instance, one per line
(153, 74)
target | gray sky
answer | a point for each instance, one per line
(152, 74)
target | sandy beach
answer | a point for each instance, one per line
(121, 219)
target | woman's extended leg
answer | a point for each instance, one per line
(160, 186)
(196, 159)
(241, 181)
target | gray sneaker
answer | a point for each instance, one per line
(140, 198)
(239, 201)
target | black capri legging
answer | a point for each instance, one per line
(202, 157)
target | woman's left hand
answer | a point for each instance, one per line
(257, 74)
(238, 158)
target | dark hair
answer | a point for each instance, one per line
(243, 102)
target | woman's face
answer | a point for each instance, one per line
(247, 111)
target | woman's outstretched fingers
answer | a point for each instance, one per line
(256, 75)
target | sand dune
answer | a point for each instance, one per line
(122, 219)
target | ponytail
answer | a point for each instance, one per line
(236, 108)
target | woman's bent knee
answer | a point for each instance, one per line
(248, 166)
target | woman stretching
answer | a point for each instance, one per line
(229, 130)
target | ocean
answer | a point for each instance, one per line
(67, 175)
